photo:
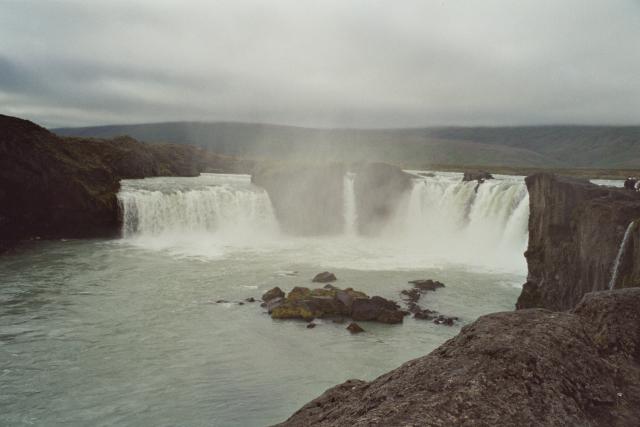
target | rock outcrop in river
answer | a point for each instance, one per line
(576, 230)
(54, 187)
(528, 367)
(330, 301)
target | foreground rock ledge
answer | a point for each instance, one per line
(529, 367)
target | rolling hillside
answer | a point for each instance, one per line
(534, 146)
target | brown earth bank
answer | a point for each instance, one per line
(575, 233)
(53, 187)
(528, 368)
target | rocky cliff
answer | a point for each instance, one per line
(528, 367)
(309, 198)
(379, 188)
(66, 187)
(575, 233)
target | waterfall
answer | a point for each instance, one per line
(621, 251)
(224, 205)
(462, 223)
(349, 205)
(440, 218)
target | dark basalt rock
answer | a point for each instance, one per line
(61, 187)
(378, 188)
(426, 284)
(376, 309)
(272, 293)
(311, 325)
(250, 299)
(479, 176)
(306, 198)
(575, 232)
(273, 304)
(529, 367)
(444, 320)
(425, 314)
(307, 304)
(324, 277)
(412, 295)
(354, 328)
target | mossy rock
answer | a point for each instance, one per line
(299, 293)
(298, 310)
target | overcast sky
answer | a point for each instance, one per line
(357, 63)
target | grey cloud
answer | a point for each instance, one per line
(330, 63)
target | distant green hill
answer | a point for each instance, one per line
(521, 146)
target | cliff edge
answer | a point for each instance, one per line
(576, 231)
(53, 187)
(528, 367)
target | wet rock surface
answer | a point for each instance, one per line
(324, 277)
(271, 294)
(479, 176)
(412, 297)
(308, 304)
(528, 367)
(426, 284)
(354, 328)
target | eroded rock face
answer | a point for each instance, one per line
(53, 187)
(479, 176)
(307, 198)
(379, 189)
(529, 367)
(575, 232)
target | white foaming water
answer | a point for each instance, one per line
(621, 251)
(443, 221)
(198, 212)
(349, 205)
(608, 182)
(468, 223)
